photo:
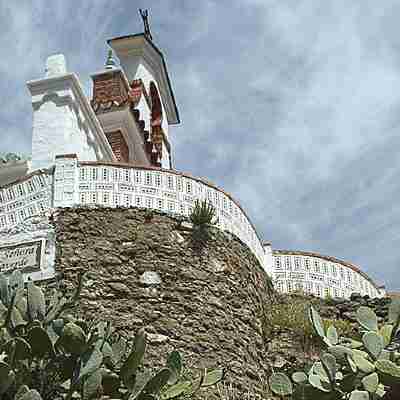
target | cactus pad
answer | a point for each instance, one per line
(373, 344)
(371, 382)
(367, 319)
(316, 322)
(280, 384)
(332, 335)
(394, 311)
(359, 395)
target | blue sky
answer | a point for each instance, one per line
(293, 107)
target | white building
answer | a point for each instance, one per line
(112, 150)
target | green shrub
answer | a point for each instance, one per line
(46, 354)
(291, 315)
(343, 327)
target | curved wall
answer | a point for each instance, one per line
(124, 185)
(320, 275)
(147, 273)
(73, 183)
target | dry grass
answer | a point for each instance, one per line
(291, 314)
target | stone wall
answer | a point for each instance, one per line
(144, 270)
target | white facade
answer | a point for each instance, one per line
(63, 121)
(319, 275)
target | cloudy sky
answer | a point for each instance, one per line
(292, 106)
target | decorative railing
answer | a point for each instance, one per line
(30, 196)
(73, 183)
(315, 275)
(114, 185)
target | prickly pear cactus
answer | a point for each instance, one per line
(350, 370)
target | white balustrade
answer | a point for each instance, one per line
(26, 198)
(114, 185)
(73, 183)
(317, 275)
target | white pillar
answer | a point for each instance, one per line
(66, 180)
(268, 259)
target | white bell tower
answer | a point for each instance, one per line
(138, 92)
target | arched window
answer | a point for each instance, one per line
(156, 108)
(156, 121)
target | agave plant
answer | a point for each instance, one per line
(202, 218)
(350, 369)
(203, 214)
(46, 354)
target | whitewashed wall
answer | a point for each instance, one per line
(25, 206)
(27, 238)
(318, 276)
(29, 197)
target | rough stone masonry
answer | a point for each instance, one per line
(144, 270)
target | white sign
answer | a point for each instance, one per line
(26, 256)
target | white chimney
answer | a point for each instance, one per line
(63, 120)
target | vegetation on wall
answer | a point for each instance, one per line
(350, 369)
(290, 313)
(202, 217)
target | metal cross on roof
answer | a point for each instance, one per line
(145, 16)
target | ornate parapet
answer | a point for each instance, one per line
(27, 240)
(124, 185)
(27, 197)
(320, 275)
(74, 183)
